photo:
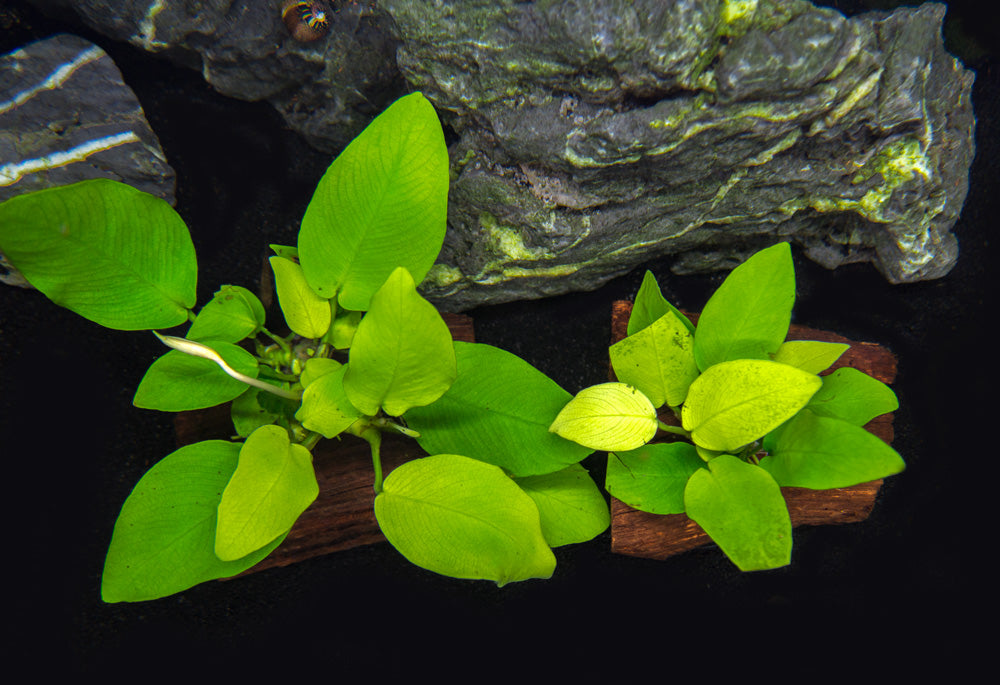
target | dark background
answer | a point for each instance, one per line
(911, 588)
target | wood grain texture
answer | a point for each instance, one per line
(654, 536)
(342, 516)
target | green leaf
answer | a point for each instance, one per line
(316, 367)
(741, 508)
(812, 356)
(658, 360)
(571, 507)
(402, 355)
(326, 408)
(734, 403)
(248, 414)
(821, 453)
(306, 313)
(180, 382)
(853, 396)
(498, 410)
(286, 251)
(748, 316)
(652, 478)
(114, 255)
(382, 203)
(345, 325)
(463, 518)
(273, 484)
(164, 539)
(608, 417)
(650, 305)
(232, 315)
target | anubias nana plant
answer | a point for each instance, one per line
(365, 354)
(754, 413)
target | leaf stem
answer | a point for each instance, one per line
(382, 422)
(282, 343)
(676, 430)
(374, 438)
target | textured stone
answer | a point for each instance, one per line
(67, 116)
(596, 136)
(593, 135)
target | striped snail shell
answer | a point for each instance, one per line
(306, 21)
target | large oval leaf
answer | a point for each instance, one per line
(164, 539)
(498, 410)
(609, 417)
(853, 396)
(821, 453)
(462, 518)
(652, 478)
(113, 254)
(742, 509)
(748, 316)
(571, 507)
(402, 355)
(734, 403)
(273, 484)
(382, 203)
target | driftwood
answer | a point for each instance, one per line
(655, 536)
(342, 515)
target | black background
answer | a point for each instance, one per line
(910, 589)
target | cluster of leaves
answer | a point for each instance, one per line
(754, 414)
(365, 354)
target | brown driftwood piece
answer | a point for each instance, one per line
(342, 515)
(637, 533)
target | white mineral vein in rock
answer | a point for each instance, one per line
(13, 172)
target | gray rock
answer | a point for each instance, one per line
(594, 135)
(67, 116)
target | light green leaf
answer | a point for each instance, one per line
(402, 355)
(812, 356)
(114, 255)
(571, 506)
(853, 396)
(273, 484)
(286, 251)
(658, 360)
(164, 539)
(821, 453)
(652, 478)
(382, 203)
(345, 325)
(498, 410)
(650, 305)
(748, 316)
(463, 518)
(306, 313)
(180, 382)
(326, 408)
(233, 314)
(734, 403)
(741, 508)
(608, 417)
(316, 367)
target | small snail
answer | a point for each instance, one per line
(306, 21)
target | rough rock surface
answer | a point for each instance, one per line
(67, 116)
(594, 135)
